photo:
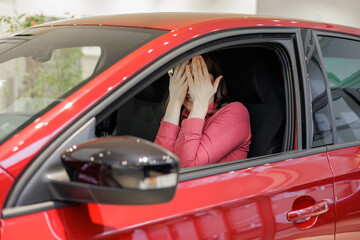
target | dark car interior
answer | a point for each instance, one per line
(254, 77)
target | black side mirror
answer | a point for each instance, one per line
(118, 170)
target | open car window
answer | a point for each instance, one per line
(254, 76)
(40, 66)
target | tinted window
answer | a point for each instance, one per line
(40, 66)
(321, 124)
(342, 63)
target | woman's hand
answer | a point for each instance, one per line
(178, 87)
(201, 87)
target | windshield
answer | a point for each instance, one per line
(40, 66)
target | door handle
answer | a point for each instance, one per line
(304, 214)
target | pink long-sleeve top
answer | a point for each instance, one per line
(221, 137)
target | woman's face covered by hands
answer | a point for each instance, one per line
(201, 84)
(192, 85)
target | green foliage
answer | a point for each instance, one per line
(57, 76)
(22, 21)
(52, 78)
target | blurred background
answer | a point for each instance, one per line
(344, 12)
(33, 85)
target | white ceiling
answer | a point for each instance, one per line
(333, 11)
(346, 12)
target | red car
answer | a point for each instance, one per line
(81, 101)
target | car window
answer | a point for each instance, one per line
(140, 116)
(320, 108)
(342, 63)
(253, 77)
(39, 67)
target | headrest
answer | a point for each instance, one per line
(155, 92)
(246, 72)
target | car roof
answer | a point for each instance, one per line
(173, 21)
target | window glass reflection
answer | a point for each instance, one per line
(321, 124)
(342, 63)
(41, 66)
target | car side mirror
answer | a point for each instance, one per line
(118, 170)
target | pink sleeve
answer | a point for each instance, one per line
(167, 135)
(228, 129)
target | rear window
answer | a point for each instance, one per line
(342, 63)
(40, 67)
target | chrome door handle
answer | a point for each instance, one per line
(304, 214)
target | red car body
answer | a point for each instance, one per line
(250, 199)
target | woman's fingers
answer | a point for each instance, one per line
(195, 69)
(204, 68)
(189, 76)
(194, 78)
(200, 68)
(176, 69)
(183, 79)
(178, 77)
(185, 85)
(181, 69)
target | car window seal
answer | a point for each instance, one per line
(191, 173)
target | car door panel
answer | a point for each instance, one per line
(340, 54)
(345, 163)
(242, 204)
(6, 181)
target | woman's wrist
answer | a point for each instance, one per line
(172, 113)
(199, 109)
(175, 103)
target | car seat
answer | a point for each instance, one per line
(251, 78)
(141, 115)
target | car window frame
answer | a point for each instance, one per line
(144, 78)
(345, 36)
(307, 89)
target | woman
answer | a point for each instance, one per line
(210, 129)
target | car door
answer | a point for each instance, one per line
(284, 195)
(342, 63)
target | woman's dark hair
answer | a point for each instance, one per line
(221, 97)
